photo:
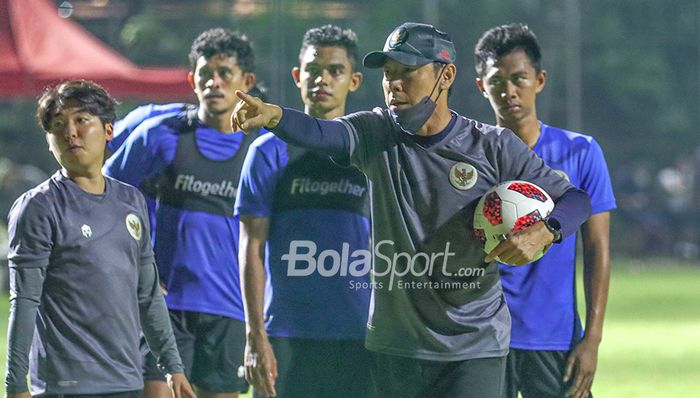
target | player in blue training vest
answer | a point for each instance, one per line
(438, 323)
(190, 163)
(126, 125)
(313, 217)
(551, 356)
(81, 266)
(123, 129)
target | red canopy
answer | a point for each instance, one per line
(38, 48)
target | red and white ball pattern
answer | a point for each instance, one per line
(509, 206)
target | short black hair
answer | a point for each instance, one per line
(87, 95)
(501, 40)
(331, 36)
(223, 41)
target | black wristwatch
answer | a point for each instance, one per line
(554, 226)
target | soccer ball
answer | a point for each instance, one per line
(510, 206)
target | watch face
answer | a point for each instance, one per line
(554, 223)
(554, 227)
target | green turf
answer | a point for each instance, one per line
(650, 344)
(651, 339)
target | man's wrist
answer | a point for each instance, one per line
(276, 119)
(592, 338)
(256, 333)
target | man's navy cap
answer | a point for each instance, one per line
(414, 44)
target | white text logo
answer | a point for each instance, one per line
(342, 186)
(303, 259)
(188, 183)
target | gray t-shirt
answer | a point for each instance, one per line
(96, 252)
(434, 296)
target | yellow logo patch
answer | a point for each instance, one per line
(463, 176)
(133, 225)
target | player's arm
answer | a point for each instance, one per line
(26, 286)
(139, 157)
(30, 225)
(156, 327)
(570, 210)
(582, 362)
(259, 361)
(298, 128)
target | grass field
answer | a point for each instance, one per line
(650, 347)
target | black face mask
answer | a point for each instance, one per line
(412, 119)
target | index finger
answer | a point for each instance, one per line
(578, 388)
(249, 375)
(500, 248)
(176, 390)
(569, 368)
(266, 381)
(248, 99)
(252, 376)
(187, 391)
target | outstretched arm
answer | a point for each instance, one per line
(297, 128)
